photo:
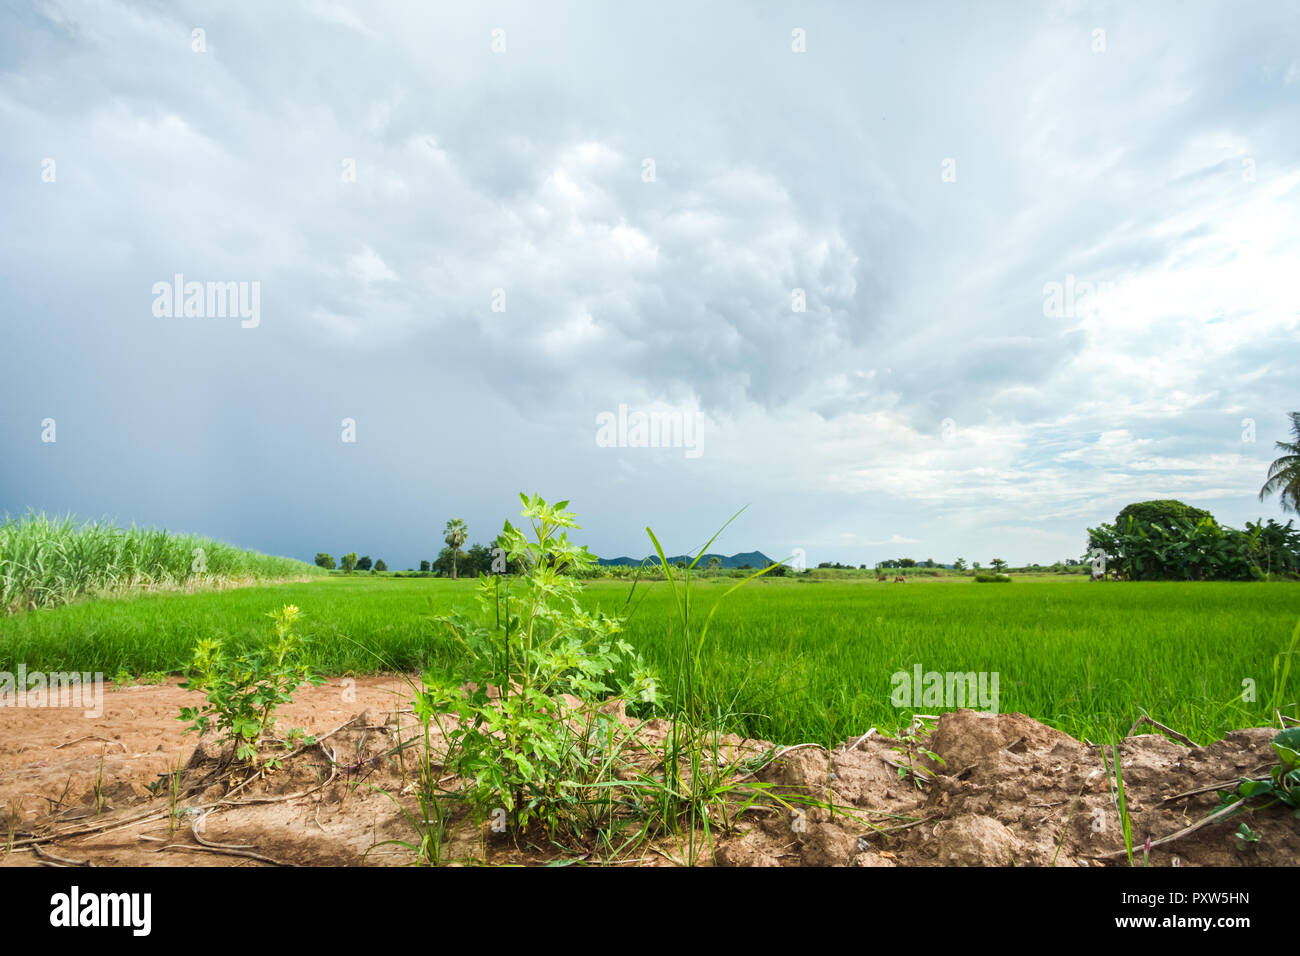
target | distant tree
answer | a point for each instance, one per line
(364, 563)
(999, 565)
(1284, 473)
(324, 560)
(715, 563)
(975, 565)
(906, 563)
(448, 561)
(959, 564)
(349, 561)
(455, 534)
(380, 566)
(424, 565)
(478, 560)
(746, 567)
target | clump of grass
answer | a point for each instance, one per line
(171, 783)
(700, 788)
(992, 579)
(99, 786)
(47, 561)
(1115, 777)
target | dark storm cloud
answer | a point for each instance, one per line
(1162, 166)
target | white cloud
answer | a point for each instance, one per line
(368, 267)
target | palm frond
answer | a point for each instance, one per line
(1284, 473)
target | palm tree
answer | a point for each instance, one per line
(455, 534)
(1284, 474)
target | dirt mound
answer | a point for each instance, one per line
(998, 791)
(1013, 792)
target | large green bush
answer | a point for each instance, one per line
(1169, 540)
(1167, 513)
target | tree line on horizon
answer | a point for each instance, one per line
(450, 562)
(350, 562)
(1161, 539)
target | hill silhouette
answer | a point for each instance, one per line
(755, 559)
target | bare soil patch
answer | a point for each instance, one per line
(1010, 791)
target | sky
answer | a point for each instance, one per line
(926, 280)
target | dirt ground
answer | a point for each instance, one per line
(1010, 792)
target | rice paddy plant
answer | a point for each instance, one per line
(788, 660)
(1282, 674)
(54, 560)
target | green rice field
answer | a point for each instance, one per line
(790, 660)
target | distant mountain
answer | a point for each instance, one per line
(755, 559)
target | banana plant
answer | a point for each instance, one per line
(1195, 551)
